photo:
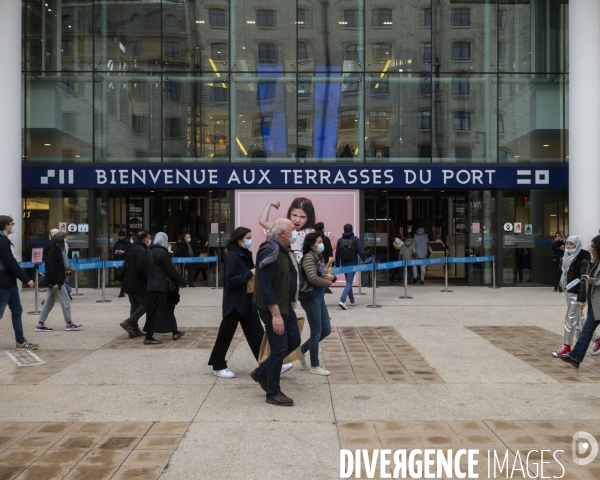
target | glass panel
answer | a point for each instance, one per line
(265, 116)
(465, 36)
(265, 36)
(59, 35)
(533, 122)
(398, 36)
(59, 118)
(465, 118)
(127, 118)
(195, 119)
(398, 118)
(127, 35)
(482, 235)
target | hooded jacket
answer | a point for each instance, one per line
(408, 250)
(360, 251)
(576, 270)
(55, 266)
(422, 243)
(9, 268)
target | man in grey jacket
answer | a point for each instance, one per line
(422, 247)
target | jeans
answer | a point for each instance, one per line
(137, 308)
(585, 338)
(63, 298)
(253, 331)
(348, 288)
(320, 326)
(10, 297)
(281, 347)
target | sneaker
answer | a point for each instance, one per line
(303, 360)
(27, 345)
(565, 350)
(353, 304)
(596, 349)
(42, 328)
(286, 366)
(320, 371)
(225, 373)
(343, 306)
(72, 327)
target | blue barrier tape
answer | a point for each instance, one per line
(470, 259)
(87, 266)
(84, 260)
(365, 267)
(390, 265)
(26, 265)
(426, 261)
(195, 259)
(113, 263)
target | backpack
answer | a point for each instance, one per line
(347, 249)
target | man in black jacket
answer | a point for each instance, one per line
(134, 283)
(9, 291)
(120, 249)
(185, 249)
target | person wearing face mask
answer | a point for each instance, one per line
(276, 295)
(9, 291)
(316, 310)
(120, 249)
(237, 302)
(348, 250)
(134, 283)
(592, 279)
(185, 249)
(575, 264)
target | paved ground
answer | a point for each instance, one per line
(468, 369)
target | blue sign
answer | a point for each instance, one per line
(87, 266)
(470, 259)
(26, 265)
(195, 259)
(295, 176)
(426, 261)
(113, 263)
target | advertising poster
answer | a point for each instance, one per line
(258, 209)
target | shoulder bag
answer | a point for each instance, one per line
(306, 290)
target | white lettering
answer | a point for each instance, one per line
(534, 463)
(124, 177)
(399, 464)
(383, 463)
(364, 174)
(324, 176)
(557, 461)
(457, 471)
(428, 462)
(311, 175)
(154, 179)
(370, 466)
(388, 174)
(519, 468)
(264, 177)
(249, 182)
(346, 463)
(233, 178)
(298, 177)
(423, 181)
(352, 175)
(477, 174)
(458, 177)
(212, 177)
(472, 463)
(412, 463)
(196, 178)
(376, 177)
(504, 462)
(168, 176)
(141, 178)
(112, 177)
(490, 173)
(339, 178)
(412, 175)
(100, 177)
(448, 174)
(444, 463)
(285, 174)
(185, 177)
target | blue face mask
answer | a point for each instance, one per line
(570, 250)
(320, 248)
(294, 237)
(247, 243)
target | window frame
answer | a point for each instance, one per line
(266, 16)
(461, 119)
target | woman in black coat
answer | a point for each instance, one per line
(237, 302)
(160, 305)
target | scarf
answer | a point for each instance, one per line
(569, 258)
(161, 239)
(272, 257)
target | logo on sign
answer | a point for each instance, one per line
(508, 227)
(542, 177)
(70, 177)
(62, 226)
(83, 228)
(72, 228)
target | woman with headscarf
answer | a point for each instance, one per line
(163, 292)
(575, 264)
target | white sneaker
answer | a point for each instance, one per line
(343, 306)
(225, 373)
(286, 366)
(303, 360)
(320, 371)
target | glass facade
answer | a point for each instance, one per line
(478, 81)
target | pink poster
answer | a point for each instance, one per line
(258, 209)
(37, 255)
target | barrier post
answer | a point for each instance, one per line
(216, 287)
(406, 279)
(36, 295)
(374, 287)
(76, 294)
(445, 290)
(99, 287)
(359, 282)
(494, 272)
(104, 300)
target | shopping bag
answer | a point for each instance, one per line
(265, 349)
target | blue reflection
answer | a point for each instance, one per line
(327, 103)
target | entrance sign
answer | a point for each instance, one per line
(72, 228)
(519, 241)
(508, 227)
(308, 176)
(37, 255)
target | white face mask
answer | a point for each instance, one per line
(188, 240)
(149, 242)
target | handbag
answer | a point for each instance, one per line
(250, 285)
(306, 290)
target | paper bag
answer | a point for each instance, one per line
(265, 349)
(250, 285)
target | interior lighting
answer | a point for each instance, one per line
(47, 144)
(200, 21)
(546, 145)
(343, 23)
(387, 65)
(241, 146)
(387, 23)
(250, 22)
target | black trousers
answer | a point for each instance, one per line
(187, 269)
(253, 331)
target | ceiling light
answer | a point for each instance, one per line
(199, 21)
(251, 22)
(517, 156)
(545, 145)
(47, 144)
